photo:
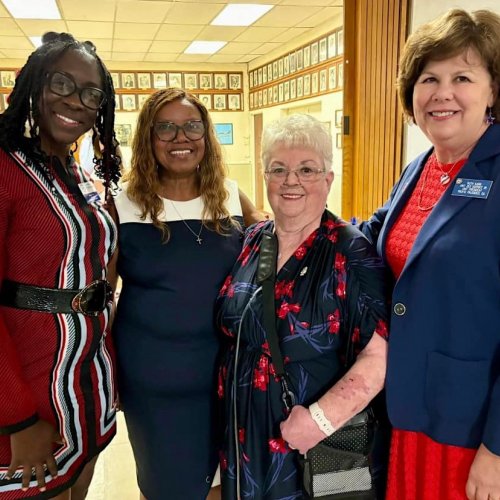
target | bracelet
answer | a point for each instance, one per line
(319, 417)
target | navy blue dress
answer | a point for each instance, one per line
(167, 344)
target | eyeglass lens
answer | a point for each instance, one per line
(63, 85)
(168, 131)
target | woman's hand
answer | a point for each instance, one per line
(32, 449)
(484, 476)
(300, 431)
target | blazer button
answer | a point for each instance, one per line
(399, 309)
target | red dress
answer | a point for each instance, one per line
(54, 366)
(419, 467)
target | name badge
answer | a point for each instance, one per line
(472, 188)
(89, 191)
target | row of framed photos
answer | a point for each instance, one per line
(213, 102)
(316, 52)
(189, 81)
(329, 79)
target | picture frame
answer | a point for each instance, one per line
(270, 72)
(234, 102)
(332, 77)
(307, 56)
(234, 81)
(323, 80)
(190, 81)
(251, 100)
(128, 81)
(314, 53)
(264, 97)
(159, 80)
(1, 103)
(141, 99)
(300, 86)
(129, 102)
(281, 94)
(340, 75)
(205, 81)
(115, 77)
(264, 74)
(280, 67)
(275, 94)
(224, 133)
(250, 80)
(293, 89)
(175, 80)
(314, 83)
(144, 80)
(259, 98)
(332, 45)
(338, 140)
(286, 65)
(270, 95)
(299, 56)
(293, 62)
(8, 79)
(206, 100)
(219, 102)
(286, 91)
(323, 50)
(338, 118)
(123, 133)
(275, 70)
(259, 76)
(220, 82)
(307, 85)
(340, 42)
(118, 103)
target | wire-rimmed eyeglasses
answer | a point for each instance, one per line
(304, 173)
(64, 85)
(194, 130)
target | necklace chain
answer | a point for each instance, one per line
(197, 236)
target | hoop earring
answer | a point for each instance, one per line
(490, 118)
(198, 169)
(74, 149)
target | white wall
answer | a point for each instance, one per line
(423, 11)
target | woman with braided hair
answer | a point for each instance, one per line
(57, 392)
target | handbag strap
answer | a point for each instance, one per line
(266, 277)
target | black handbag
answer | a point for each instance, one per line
(339, 467)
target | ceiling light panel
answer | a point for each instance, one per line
(33, 9)
(204, 47)
(243, 14)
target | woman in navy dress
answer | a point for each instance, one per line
(329, 289)
(180, 233)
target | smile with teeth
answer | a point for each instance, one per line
(181, 152)
(292, 196)
(441, 114)
(67, 120)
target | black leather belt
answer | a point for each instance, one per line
(91, 300)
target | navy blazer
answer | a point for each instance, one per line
(443, 374)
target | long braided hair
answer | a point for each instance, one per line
(20, 126)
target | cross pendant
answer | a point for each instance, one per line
(199, 240)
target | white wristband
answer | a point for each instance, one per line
(319, 417)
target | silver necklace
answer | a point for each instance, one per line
(197, 236)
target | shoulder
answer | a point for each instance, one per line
(233, 203)
(128, 211)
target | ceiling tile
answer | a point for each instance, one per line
(87, 30)
(247, 58)
(223, 58)
(88, 10)
(8, 27)
(319, 17)
(4, 12)
(262, 34)
(168, 47)
(290, 34)
(238, 48)
(37, 27)
(182, 13)
(141, 12)
(223, 33)
(265, 48)
(160, 57)
(16, 42)
(286, 16)
(135, 31)
(185, 32)
(193, 58)
(128, 56)
(307, 3)
(131, 45)
(102, 45)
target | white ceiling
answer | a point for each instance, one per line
(158, 31)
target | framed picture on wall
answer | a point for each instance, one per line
(275, 94)
(307, 84)
(281, 94)
(340, 42)
(314, 53)
(224, 133)
(332, 77)
(332, 45)
(264, 97)
(269, 72)
(322, 50)
(270, 95)
(128, 80)
(116, 80)
(1, 103)
(141, 99)
(234, 101)
(219, 102)
(293, 88)
(205, 80)
(300, 86)
(280, 67)
(322, 80)
(286, 91)
(338, 117)
(234, 81)
(123, 132)
(220, 81)
(340, 75)
(175, 80)
(251, 100)
(307, 56)
(293, 65)
(159, 80)
(264, 74)
(8, 79)
(314, 83)
(190, 81)
(299, 56)
(144, 80)
(275, 70)
(206, 100)
(118, 103)
(259, 98)
(286, 65)
(259, 76)
(129, 102)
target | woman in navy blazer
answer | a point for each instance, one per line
(440, 234)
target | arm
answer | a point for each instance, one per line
(250, 214)
(347, 397)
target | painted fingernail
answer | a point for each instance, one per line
(42, 488)
(24, 488)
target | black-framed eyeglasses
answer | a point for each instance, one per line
(194, 130)
(304, 173)
(64, 85)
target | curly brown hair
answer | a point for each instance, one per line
(143, 179)
(447, 36)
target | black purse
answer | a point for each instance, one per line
(339, 467)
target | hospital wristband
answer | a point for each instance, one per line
(319, 417)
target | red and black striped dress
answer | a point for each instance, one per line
(56, 366)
